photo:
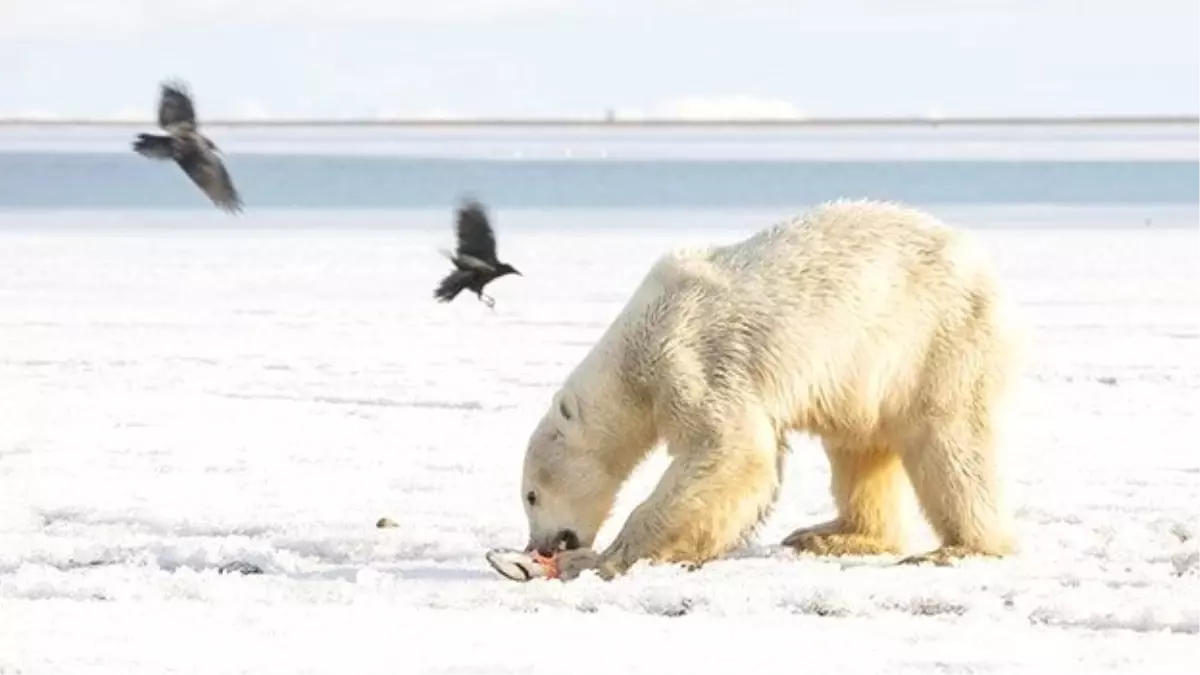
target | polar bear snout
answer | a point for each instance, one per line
(563, 540)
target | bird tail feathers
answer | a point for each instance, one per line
(454, 283)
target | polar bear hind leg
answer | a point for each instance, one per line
(867, 483)
(951, 458)
(954, 475)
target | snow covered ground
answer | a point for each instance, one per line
(181, 391)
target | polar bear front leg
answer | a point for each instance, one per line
(722, 482)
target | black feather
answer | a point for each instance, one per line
(474, 256)
(208, 172)
(454, 283)
(193, 151)
(154, 146)
(474, 233)
(176, 112)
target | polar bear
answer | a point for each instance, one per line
(871, 325)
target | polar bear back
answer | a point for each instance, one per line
(833, 320)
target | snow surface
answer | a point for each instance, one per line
(181, 391)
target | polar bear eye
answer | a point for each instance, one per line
(531, 498)
(562, 409)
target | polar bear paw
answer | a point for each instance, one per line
(946, 556)
(822, 542)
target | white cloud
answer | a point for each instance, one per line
(33, 113)
(426, 114)
(735, 107)
(130, 114)
(437, 114)
(253, 109)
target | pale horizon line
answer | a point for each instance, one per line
(659, 122)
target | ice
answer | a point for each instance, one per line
(180, 393)
(1164, 140)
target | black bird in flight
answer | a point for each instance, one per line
(474, 258)
(195, 153)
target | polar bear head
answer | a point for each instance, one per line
(568, 485)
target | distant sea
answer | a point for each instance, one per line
(55, 168)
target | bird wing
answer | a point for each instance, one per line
(475, 236)
(471, 263)
(208, 172)
(465, 262)
(175, 108)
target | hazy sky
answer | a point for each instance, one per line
(366, 58)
